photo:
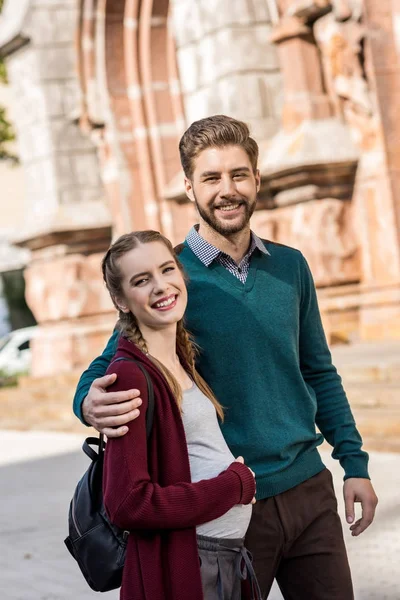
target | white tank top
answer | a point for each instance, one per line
(209, 455)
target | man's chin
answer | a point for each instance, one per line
(229, 227)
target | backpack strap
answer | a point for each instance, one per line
(92, 441)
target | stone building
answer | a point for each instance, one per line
(105, 89)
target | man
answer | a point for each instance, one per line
(253, 312)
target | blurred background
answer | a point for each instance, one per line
(94, 96)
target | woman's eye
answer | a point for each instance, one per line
(139, 282)
(168, 269)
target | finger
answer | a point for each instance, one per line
(115, 433)
(349, 507)
(116, 421)
(105, 381)
(355, 525)
(240, 459)
(366, 519)
(114, 410)
(253, 501)
(117, 397)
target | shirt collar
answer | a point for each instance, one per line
(206, 252)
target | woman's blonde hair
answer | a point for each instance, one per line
(127, 322)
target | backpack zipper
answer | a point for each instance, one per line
(73, 517)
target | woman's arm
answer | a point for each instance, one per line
(133, 501)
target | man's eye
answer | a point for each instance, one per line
(239, 175)
(210, 179)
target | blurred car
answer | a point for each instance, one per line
(15, 350)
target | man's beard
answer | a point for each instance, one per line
(226, 228)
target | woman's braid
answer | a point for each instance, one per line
(185, 347)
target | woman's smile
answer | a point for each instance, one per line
(166, 303)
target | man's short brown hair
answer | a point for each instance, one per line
(215, 132)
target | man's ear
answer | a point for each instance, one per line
(189, 189)
(258, 179)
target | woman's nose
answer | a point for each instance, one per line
(158, 285)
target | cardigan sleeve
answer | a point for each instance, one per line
(334, 417)
(134, 501)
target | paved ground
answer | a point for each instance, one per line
(38, 472)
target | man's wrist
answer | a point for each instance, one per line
(83, 416)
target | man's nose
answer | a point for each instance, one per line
(228, 187)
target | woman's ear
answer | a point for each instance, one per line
(120, 305)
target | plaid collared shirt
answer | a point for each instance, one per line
(207, 253)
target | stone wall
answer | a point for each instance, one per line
(227, 63)
(66, 223)
(60, 163)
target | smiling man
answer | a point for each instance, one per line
(253, 312)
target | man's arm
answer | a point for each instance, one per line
(334, 417)
(108, 412)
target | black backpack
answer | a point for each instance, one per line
(97, 545)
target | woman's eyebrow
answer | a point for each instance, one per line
(164, 264)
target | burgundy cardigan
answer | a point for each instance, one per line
(148, 491)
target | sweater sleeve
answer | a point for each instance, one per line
(134, 501)
(97, 368)
(334, 417)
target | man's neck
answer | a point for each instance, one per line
(235, 245)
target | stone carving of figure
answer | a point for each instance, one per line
(340, 36)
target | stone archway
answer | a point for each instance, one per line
(132, 106)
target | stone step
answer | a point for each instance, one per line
(379, 427)
(368, 362)
(44, 403)
(373, 394)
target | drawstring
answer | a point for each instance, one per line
(244, 570)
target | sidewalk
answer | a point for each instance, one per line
(38, 472)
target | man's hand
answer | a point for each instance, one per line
(359, 490)
(109, 412)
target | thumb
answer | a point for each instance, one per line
(240, 459)
(104, 382)
(349, 506)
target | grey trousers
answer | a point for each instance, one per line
(224, 565)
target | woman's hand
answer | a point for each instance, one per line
(240, 459)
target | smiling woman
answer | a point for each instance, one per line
(184, 479)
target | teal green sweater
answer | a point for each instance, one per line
(264, 353)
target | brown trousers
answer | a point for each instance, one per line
(297, 538)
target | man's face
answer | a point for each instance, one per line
(224, 188)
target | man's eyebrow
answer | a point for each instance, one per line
(214, 173)
(209, 173)
(240, 169)
(164, 264)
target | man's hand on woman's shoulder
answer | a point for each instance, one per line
(110, 412)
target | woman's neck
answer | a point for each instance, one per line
(161, 343)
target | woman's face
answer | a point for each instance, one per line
(153, 286)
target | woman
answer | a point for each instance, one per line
(184, 477)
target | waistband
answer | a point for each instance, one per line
(211, 543)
